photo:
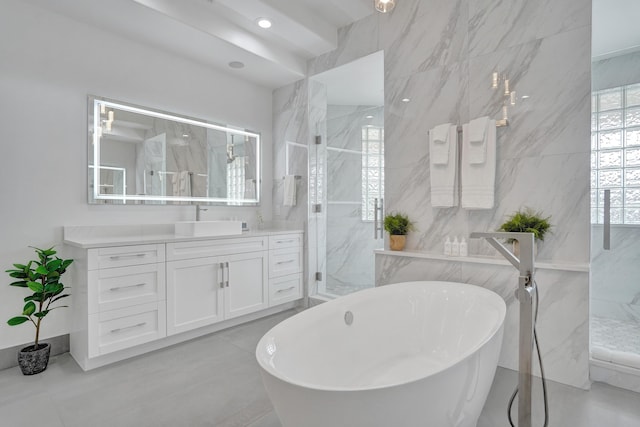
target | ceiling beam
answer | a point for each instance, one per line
(199, 15)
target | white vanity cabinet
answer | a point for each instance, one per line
(118, 299)
(285, 268)
(204, 289)
(134, 295)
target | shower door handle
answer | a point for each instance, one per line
(378, 219)
(375, 219)
(382, 218)
(606, 231)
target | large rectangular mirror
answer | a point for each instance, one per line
(142, 156)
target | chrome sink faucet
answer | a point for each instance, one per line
(199, 209)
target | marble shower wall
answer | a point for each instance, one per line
(299, 113)
(441, 55)
(350, 242)
(615, 274)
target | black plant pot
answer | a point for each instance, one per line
(34, 360)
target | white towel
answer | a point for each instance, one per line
(477, 149)
(181, 183)
(444, 185)
(289, 190)
(478, 179)
(439, 144)
(249, 189)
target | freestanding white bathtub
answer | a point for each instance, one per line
(415, 354)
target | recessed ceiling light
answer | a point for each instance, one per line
(236, 64)
(264, 23)
(185, 135)
(369, 117)
(406, 99)
(525, 96)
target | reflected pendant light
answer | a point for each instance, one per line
(384, 6)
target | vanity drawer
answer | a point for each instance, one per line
(119, 329)
(285, 241)
(215, 247)
(120, 287)
(283, 262)
(123, 256)
(284, 289)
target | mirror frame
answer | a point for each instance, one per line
(94, 197)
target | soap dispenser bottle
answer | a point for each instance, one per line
(447, 246)
(464, 248)
(455, 247)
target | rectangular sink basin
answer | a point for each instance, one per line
(207, 228)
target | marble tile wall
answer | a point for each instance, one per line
(615, 274)
(441, 55)
(562, 333)
(350, 241)
(299, 113)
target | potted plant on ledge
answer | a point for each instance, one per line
(397, 225)
(42, 277)
(526, 221)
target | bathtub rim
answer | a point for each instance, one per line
(499, 326)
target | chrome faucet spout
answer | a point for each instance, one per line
(199, 209)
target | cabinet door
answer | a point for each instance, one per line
(247, 289)
(194, 294)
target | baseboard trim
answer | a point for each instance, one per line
(9, 356)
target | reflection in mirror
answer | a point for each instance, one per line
(151, 157)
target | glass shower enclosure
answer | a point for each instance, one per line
(347, 174)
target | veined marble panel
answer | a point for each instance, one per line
(393, 269)
(421, 35)
(437, 96)
(350, 246)
(608, 309)
(562, 325)
(344, 176)
(354, 41)
(562, 318)
(615, 274)
(294, 96)
(345, 123)
(554, 74)
(499, 24)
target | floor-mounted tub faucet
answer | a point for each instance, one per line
(525, 293)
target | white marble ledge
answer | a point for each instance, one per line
(482, 260)
(88, 237)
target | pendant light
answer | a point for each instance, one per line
(384, 6)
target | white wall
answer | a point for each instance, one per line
(49, 65)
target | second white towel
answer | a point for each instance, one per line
(478, 164)
(443, 154)
(289, 190)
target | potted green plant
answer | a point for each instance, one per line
(526, 220)
(397, 225)
(42, 277)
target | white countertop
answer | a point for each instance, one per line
(88, 237)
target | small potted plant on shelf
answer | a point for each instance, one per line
(397, 225)
(526, 220)
(42, 277)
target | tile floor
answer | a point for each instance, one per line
(612, 334)
(214, 381)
